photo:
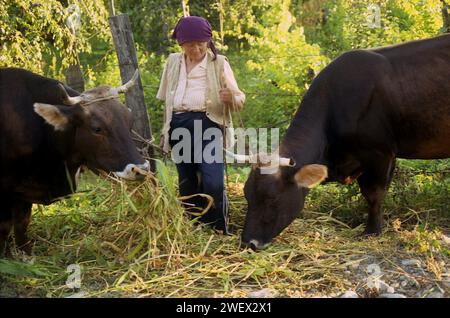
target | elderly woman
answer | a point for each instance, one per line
(199, 89)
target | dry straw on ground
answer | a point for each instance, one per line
(134, 240)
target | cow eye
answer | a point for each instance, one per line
(97, 130)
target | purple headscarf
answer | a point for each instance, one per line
(194, 29)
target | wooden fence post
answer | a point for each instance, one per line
(74, 78)
(445, 17)
(74, 75)
(126, 54)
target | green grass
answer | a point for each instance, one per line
(133, 240)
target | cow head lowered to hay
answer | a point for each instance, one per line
(361, 112)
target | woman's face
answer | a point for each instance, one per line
(194, 50)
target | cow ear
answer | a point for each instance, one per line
(59, 117)
(310, 176)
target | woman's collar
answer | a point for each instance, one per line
(204, 61)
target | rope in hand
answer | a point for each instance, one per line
(225, 110)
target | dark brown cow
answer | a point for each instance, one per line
(47, 131)
(364, 110)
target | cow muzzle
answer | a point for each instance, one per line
(134, 172)
(254, 245)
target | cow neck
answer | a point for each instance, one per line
(65, 145)
(305, 139)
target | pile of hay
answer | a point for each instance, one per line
(134, 240)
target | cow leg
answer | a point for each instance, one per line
(22, 218)
(374, 183)
(6, 223)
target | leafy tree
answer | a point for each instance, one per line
(275, 47)
(30, 31)
(360, 24)
(152, 22)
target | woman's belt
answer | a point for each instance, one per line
(189, 110)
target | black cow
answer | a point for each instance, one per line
(47, 131)
(364, 110)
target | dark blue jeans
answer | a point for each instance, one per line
(201, 177)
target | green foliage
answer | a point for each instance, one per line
(275, 47)
(34, 35)
(10, 267)
(152, 22)
(353, 24)
(280, 49)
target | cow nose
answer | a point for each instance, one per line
(134, 172)
(141, 170)
(246, 245)
(253, 244)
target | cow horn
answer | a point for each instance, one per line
(69, 100)
(282, 162)
(286, 162)
(243, 158)
(276, 160)
(125, 87)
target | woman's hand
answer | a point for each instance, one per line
(226, 96)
